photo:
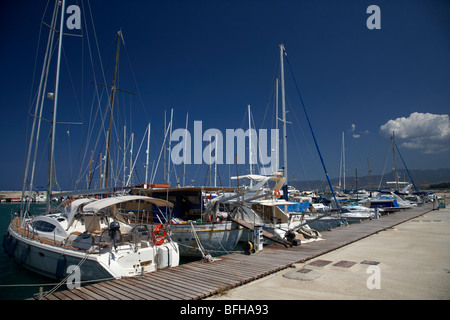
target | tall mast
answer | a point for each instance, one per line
(184, 155)
(51, 175)
(283, 106)
(170, 145)
(131, 159)
(250, 144)
(395, 162)
(210, 161)
(148, 152)
(90, 171)
(277, 160)
(124, 155)
(215, 163)
(343, 156)
(39, 106)
(113, 91)
(165, 143)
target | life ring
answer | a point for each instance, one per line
(67, 203)
(277, 194)
(159, 234)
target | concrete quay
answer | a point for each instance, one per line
(410, 261)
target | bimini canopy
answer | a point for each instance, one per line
(71, 210)
(98, 205)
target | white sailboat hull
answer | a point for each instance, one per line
(52, 260)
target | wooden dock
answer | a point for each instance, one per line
(197, 280)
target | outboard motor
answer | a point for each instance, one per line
(290, 237)
(114, 228)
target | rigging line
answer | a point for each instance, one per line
(258, 144)
(96, 166)
(296, 139)
(175, 172)
(39, 100)
(67, 277)
(88, 138)
(71, 80)
(102, 130)
(162, 148)
(135, 83)
(30, 103)
(103, 117)
(50, 284)
(96, 42)
(92, 121)
(406, 167)
(310, 127)
(269, 100)
(385, 163)
(137, 155)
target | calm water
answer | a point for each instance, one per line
(12, 273)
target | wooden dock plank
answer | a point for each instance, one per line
(198, 279)
(101, 293)
(207, 276)
(208, 282)
(51, 297)
(188, 282)
(168, 292)
(203, 288)
(145, 289)
(178, 285)
(61, 296)
(178, 291)
(91, 293)
(244, 269)
(136, 290)
(226, 270)
(113, 295)
(81, 295)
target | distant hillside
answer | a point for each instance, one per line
(422, 178)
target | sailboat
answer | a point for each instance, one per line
(91, 235)
(200, 228)
(264, 206)
(268, 207)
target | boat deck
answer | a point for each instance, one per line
(198, 280)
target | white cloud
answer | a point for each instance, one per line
(427, 132)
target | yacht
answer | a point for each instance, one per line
(93, 235)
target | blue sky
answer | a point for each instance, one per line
(213, 58)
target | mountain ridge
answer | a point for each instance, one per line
(422, 179)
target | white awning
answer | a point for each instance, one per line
(108, 202)
(257, 177)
